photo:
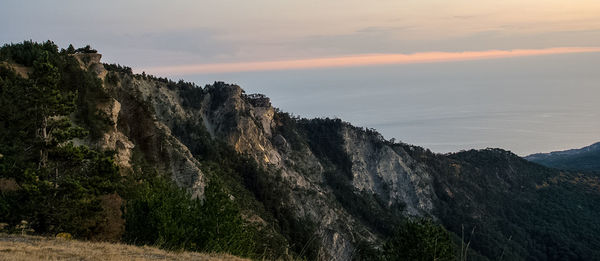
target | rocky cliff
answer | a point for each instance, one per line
(144, 113)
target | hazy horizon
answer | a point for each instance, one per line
(443, 75)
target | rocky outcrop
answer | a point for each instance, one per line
(91, 62)
(113, 139)
(133, 125)
(389, 173)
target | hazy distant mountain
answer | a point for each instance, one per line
(584, 159)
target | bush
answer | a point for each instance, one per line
(162, 214)
(419, 240)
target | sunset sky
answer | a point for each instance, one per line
(447, 75)
(152, 33)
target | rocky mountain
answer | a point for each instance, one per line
(326, 190)
(583, 159)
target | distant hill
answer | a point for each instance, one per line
(584, 159)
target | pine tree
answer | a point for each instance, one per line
(52, 108)
(70, 49)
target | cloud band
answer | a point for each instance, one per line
(359, 60)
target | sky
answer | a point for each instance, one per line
(424, 49)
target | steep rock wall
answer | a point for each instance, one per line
(144, 113)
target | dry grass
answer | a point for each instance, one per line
(21, 70)
(14, 247)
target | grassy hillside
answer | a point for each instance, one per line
(15, 247)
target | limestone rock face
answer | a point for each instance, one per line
(379, 169)
(91, 62)
(136, 126)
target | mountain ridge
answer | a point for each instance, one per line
(323, 189)
(582, 159)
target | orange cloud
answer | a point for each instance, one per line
(360, 60)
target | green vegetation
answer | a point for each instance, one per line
(325, 140)
(57, 185)
(517, 209)
(118, 68)
(28, 52)
(287, 126)
(162, 214)
(531, 220)
(419, 240)
(86, 49)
